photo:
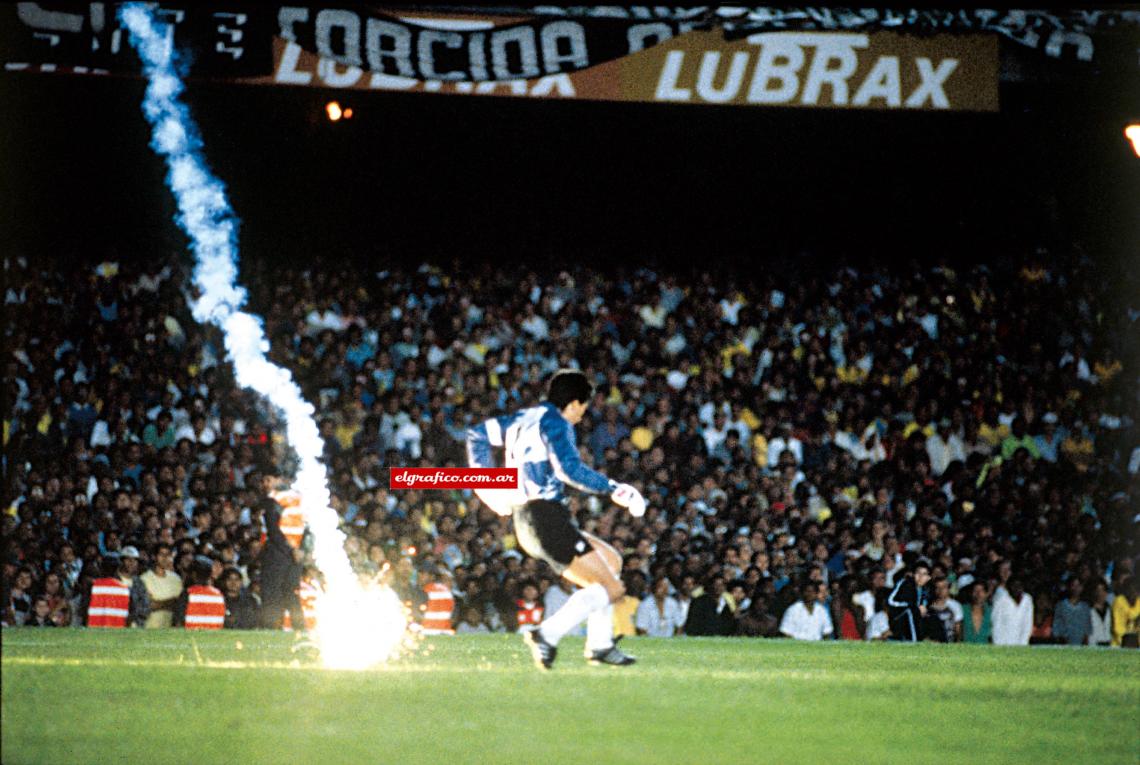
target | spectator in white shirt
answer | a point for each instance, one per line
(472, 623)
(326, 316)
(197, 431)
(659, 615)
(737, 423)
(685, 596)
(409, 436)
(877, 580)
(714, 436)
(807, 618)
(879, 625)
(944, 447)
(652, 316)
(534, 325)
(784, 441)
(1012, 614)
(944, 614)
(1100, 614)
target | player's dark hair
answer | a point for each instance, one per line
(569, 385)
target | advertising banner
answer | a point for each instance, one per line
(880, 70)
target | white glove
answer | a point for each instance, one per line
(630, 498)
(501, 501)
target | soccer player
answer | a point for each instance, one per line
(540, 442)
(907, 603)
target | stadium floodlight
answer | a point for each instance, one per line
(1132, 133)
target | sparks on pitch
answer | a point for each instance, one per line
(357, 626)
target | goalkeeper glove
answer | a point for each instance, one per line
(630, 498)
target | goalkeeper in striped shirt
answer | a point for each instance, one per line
(540, 442)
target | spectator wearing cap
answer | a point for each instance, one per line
(128, 574)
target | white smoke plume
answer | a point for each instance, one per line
(205, 215)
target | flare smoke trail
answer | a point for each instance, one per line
(205, 215)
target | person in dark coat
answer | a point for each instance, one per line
(710, 613)
(242, 610)
(281, 567)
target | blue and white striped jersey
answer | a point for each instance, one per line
(541, 443)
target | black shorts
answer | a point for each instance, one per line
(546, 531)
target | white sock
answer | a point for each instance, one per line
(600, 628)
(573, 612)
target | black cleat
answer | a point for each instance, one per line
(613, 656)
(544, 653)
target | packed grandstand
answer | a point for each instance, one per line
(830, 430)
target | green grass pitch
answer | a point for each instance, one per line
(85, 696)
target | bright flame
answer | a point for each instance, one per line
(1132, 133)
(332, 108)
(355, 629)
(355, 615)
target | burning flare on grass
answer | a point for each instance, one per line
(357, 626)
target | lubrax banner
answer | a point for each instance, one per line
(674, 58)
(877, 70)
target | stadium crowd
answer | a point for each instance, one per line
(803, 443)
